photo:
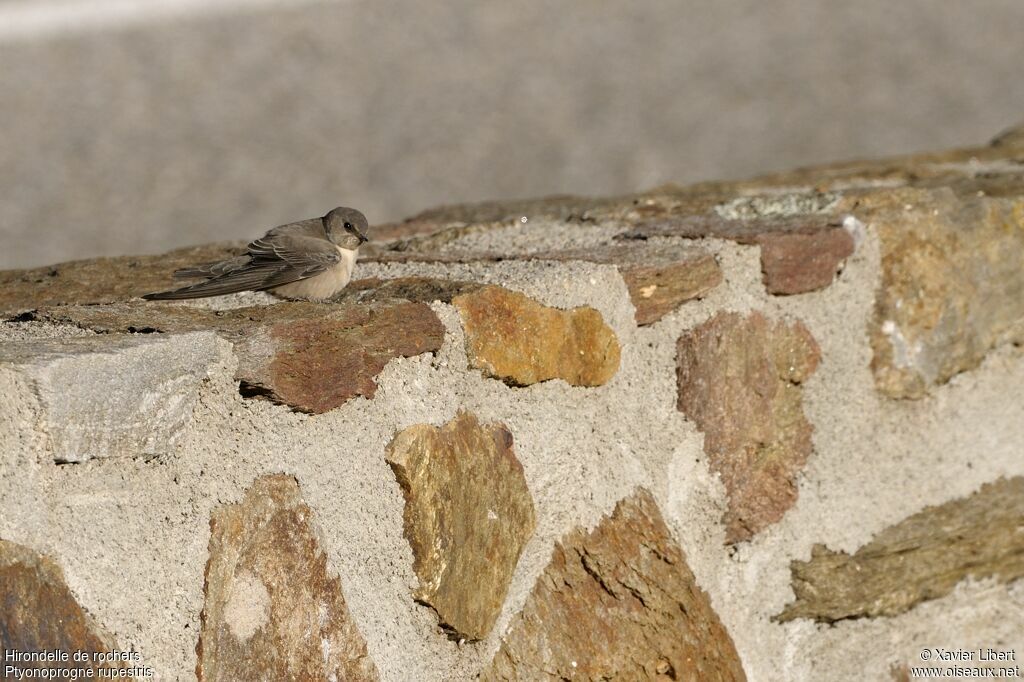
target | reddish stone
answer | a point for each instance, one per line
(739, 381)
(273, 611)
(618, 603)
(657, 290)
(310, 356)
(798, 263)
(317, 365)
(40, 614)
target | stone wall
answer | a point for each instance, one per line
(763, 430)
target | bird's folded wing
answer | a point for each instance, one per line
(273, 260)
(297, 251)
(312, 228)
(214, 269)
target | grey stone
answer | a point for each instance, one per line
(112, 395)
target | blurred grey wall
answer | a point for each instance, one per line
(138, 126)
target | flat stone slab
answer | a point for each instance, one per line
(517, 339)
(922, 557)
(739, 381)
(468, 514)
(952, 282)
(800, 253)
(416, 289)
(617, 603)
(112, 395)
(743, 230)
(313, 357)
(317, 364)
(273, 610)
(801, 263)
(101, 280)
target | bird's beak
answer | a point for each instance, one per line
(362, 238)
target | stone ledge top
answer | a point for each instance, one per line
(950, 226)
(804, 201)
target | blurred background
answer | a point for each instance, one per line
(136, 126)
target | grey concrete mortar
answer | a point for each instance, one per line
(132, 534)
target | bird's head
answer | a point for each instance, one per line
(346, 227)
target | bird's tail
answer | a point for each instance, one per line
(250, 278)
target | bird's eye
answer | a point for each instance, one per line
(348, 226)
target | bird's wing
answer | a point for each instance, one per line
(295, 249)
(313, 227)
(214, 269)
(277, 258)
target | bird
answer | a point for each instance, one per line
(307, 260)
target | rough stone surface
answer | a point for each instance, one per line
(618, 603)
(922, 557)
(273, 611)
(40, 614)
(414, 289)
(310, 356)
(952, 283)
(113, 395)
(512, 337)
(660, 277)
(802, 243)
(748, 229)
(799, 263)
(316, 365)
(739, 381)
(468, 513)
(103, 280)
(658, 290)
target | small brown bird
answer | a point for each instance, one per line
(311, 260)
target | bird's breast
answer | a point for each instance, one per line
(325, 284)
